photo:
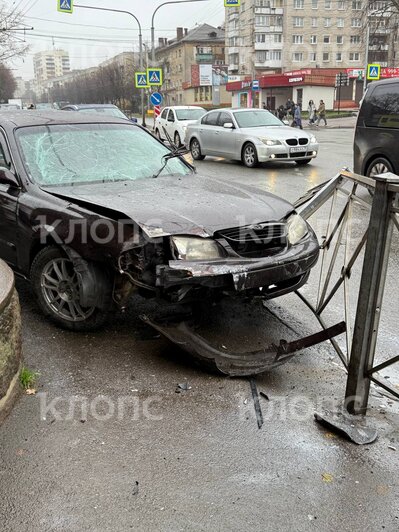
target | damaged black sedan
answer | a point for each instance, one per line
(94, 209)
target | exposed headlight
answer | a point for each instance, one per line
(270, 142)
(194, 248)
(297, 228)
(313, 139)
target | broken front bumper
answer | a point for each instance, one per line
(273, 276)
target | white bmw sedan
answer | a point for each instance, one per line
(249, 135)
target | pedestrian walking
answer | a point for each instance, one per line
(281, 112)
(297, 116)
(312, 112)
(321, 111)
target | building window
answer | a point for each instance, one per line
(297, 57)
(275, 55)
(326, 56)
(313, 39)
(357, 5)
(327, 4)
(313, 57)
(260, 20)
(355, 39)
(314, 22)
(314, 4)
(354, 56)
(261, 56)
(340, 23)
(277, 37)
(260, 37)
(326, 39)
(297, 39)
(342, 5)
(233, 41)
(327, 22)
(338, 56)
(340, 39)
(298, 22)
(356, 23)
(298, 4)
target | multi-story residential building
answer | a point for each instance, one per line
(285, 35)
(194, 67)
(49, 65)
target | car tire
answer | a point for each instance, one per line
(54, 281)
(303, 162)
(195, 149)
(177, 140)
(381, 165)
(249, 155)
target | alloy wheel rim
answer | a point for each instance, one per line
(177, 139)
(379, 168)
(60, 288)
(195, 148)
(249, 155)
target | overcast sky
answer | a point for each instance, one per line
(93, 36)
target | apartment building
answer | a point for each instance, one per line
(194, 66)
(49, 65)
(282, 35)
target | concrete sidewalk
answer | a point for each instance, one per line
(348, 122)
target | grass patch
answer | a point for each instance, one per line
(27, 378)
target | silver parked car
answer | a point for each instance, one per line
(249, 135)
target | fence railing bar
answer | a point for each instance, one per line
(384, 365)
(382, 384)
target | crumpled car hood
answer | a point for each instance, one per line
(171, 205)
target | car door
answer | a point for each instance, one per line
(170, 123)
(207, 133)
(225, 139)
(162, 121)
(8, 211)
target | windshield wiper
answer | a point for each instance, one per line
(178, 152)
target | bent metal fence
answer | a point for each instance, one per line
(377, 202)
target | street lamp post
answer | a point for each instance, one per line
(153, 27)
(141, 61)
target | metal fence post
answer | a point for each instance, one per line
(370, 296)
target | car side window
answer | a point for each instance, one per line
(3, 158)
(211, 119)
(171, 116)
(382, 108)
(224, 118)
(164, 113)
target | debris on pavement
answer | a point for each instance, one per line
(262, 394)
(183, 387)
(255, 396)
(355, 428)
(327, 477)
(135, 490)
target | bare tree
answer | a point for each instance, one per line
(8, 84)
(12, 43)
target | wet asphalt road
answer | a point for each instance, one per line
(108, 444)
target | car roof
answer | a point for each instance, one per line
(25, 118)
(383, 82)
(91, 105)
(184, 107)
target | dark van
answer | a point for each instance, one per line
(376, 144)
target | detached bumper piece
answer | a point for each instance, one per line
(231, 360)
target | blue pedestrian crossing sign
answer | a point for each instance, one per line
(373, 71)
(154, 76)
(156, 98)
(141, 81)
(65, 6)
(232, 3)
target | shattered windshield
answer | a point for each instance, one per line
(72, 154)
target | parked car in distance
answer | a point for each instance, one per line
(375, 149)
(103, 109)
(251, 136)
(89, 217)
(175, 120)
(9, 107)
(44, 106)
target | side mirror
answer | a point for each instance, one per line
(8, 178)
(228, 125)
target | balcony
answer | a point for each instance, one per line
(269, 63)
(233, 67)
(269, 10)
(269, 45)
(204, 58)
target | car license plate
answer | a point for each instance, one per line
(297, 149)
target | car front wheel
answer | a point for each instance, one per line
(249, 156)
(379, 166)
(177, 140)
(195, 149)
(56, 286)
